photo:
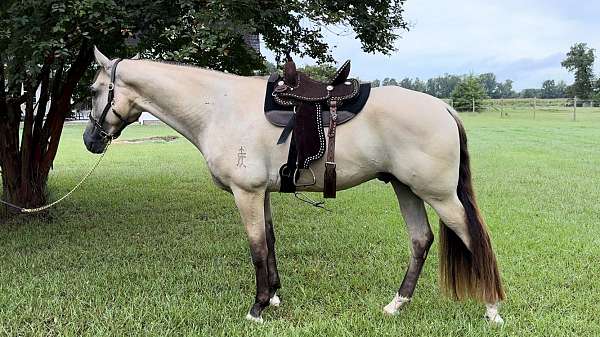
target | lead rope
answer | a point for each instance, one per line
(39, 209)
(305, 198)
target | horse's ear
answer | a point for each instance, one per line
(102, 60)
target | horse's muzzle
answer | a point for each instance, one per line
(93, 140)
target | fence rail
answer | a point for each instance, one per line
(536, 107)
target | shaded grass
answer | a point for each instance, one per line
(150, 247)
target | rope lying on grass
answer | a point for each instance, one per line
(42, 208)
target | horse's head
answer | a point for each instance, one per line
(113, 106)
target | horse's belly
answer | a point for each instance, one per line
(358, 159)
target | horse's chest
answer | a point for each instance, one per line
(220, 184)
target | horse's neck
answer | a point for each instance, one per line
(183, 98)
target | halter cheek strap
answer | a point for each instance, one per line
(110, 107)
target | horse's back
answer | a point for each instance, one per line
(419, 111)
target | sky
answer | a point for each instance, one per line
(521, 40)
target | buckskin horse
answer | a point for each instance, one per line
(411, 139)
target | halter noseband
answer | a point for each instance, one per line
(110, 107)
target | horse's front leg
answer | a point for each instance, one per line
(251, 207)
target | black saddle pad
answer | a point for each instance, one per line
(280, 115)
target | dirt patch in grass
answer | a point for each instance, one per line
(155, 139)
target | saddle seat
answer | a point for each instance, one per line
(308, 99)
(296, 87)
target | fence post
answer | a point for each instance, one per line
(574, 108)
(534, 106)
(473, 104)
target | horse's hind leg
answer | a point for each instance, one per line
(274, 283)
(413, 211)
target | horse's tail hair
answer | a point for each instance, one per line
(468, 272)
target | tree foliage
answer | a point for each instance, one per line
(389, 81)
(419, 85)
(268, 69)
(504, 90)
(550, 89)
(46, 45)
(468, 92)
(489, 83)
(530, 93)
(406, 83)
(321, 72)
(580, 59)
(442, 86)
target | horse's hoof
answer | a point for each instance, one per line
(395, 305)
(492, 315)
(254, 319)
(275, 301)
(390, 310)
(495, 320)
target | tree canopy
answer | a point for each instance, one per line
(580, 59)
(46, 46)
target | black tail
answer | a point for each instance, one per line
(468, 272)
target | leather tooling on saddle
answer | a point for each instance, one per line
(304, 106)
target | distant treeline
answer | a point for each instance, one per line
(444, 86)
(473, 86)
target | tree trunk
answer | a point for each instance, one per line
(16, 190)
(27, 194)
(25, 166)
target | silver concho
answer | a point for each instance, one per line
(329, 87)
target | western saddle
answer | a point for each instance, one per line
(309, 99)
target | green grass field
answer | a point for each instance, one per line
(149, 246)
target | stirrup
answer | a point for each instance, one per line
(297, 171)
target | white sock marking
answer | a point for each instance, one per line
(275, 300)
(254, 319)
(492, 315)
(397, 303)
